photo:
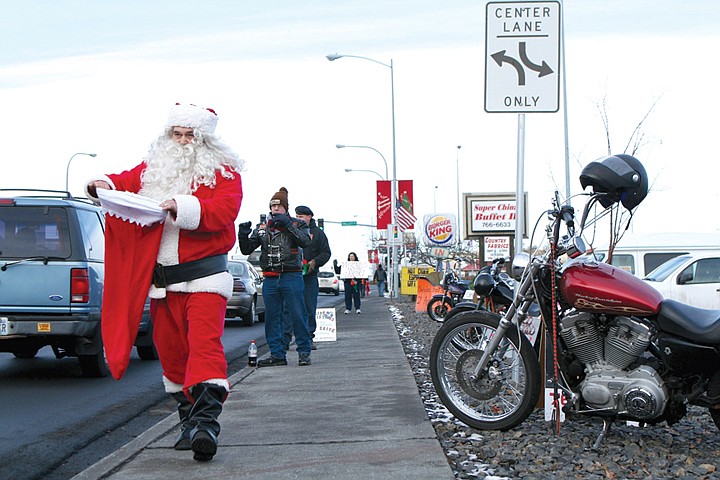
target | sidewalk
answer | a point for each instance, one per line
(355, 413)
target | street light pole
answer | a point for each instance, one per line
(393, 203)
(67, 169)
(457, 170)
(368, 171)
(339, 145)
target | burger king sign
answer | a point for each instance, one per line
(440, 229)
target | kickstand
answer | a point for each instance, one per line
(606, 428)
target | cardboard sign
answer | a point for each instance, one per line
(354, 270)
(326, 325)
(425, 292)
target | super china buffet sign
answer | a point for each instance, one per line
(491, 214)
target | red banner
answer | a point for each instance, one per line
(384, 189)
(404, 196)
(373, 256)
(405, 218)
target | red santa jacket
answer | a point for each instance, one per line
(205, 226)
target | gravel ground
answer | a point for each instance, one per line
(689, 449)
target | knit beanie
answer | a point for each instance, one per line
(280, 198)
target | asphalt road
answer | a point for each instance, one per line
(55, 423)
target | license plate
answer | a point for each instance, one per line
(3, 326)
(43, 327)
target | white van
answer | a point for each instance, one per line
(640, 254)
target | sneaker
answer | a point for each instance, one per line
(304, 360)
(347, 311)
(271, 362)
(358, 311)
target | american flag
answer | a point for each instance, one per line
(405, 219)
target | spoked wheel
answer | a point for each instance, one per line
(438, 308)
(503, 394)
(712, 390)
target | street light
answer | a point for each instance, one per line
(368, 171)
(67, 170)
(435, 199)
(457, 170)
(393, 204)
(339, 145)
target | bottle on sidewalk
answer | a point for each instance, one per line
(252, 354)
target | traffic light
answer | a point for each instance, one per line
(321, 223)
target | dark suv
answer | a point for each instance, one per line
(51, 279)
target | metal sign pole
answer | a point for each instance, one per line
(520, 197)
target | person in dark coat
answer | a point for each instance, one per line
(315, 256)
(380, 277)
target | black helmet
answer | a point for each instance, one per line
(621, 177)
(484, 284)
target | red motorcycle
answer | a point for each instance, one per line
(619, 350)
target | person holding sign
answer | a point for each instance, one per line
(351, 274)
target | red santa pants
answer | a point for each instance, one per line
(187, 331)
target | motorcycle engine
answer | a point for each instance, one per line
(607, 349)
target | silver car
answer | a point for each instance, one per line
(247, 300)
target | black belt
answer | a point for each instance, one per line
(184, 272)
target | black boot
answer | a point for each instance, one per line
(203, 419)
(184, 406)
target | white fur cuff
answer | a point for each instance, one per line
(171, 387)
(188, 212)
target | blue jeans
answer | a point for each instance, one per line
(285, 292)
(311, 294)
(352, 293)
(381, 288)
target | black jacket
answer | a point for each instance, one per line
(281, 250)
(380, 275)
(319, 248)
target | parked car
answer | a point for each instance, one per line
(328, 283)
(693, 279)
(246, 301)
(52, 270)
(640, 254)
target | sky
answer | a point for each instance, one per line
(99, 77)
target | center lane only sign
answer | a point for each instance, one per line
(522, 58)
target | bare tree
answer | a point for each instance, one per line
(620, 219)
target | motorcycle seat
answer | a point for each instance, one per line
(690, 322)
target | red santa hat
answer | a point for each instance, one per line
(191, 116)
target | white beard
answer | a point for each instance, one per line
(174, 169)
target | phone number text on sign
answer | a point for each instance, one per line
(493, 215)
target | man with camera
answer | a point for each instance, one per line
(281, 260)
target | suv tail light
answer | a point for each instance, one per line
(79, 285)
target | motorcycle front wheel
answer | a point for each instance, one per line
(505, 393)
(438, 308)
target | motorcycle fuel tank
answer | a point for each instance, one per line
(601, 288)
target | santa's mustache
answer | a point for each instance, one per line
(176, 150)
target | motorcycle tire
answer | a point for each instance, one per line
(498, 402)
(713, 389)
(438, 308)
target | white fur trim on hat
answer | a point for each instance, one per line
(190, 116)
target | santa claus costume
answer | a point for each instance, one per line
(181, 264)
